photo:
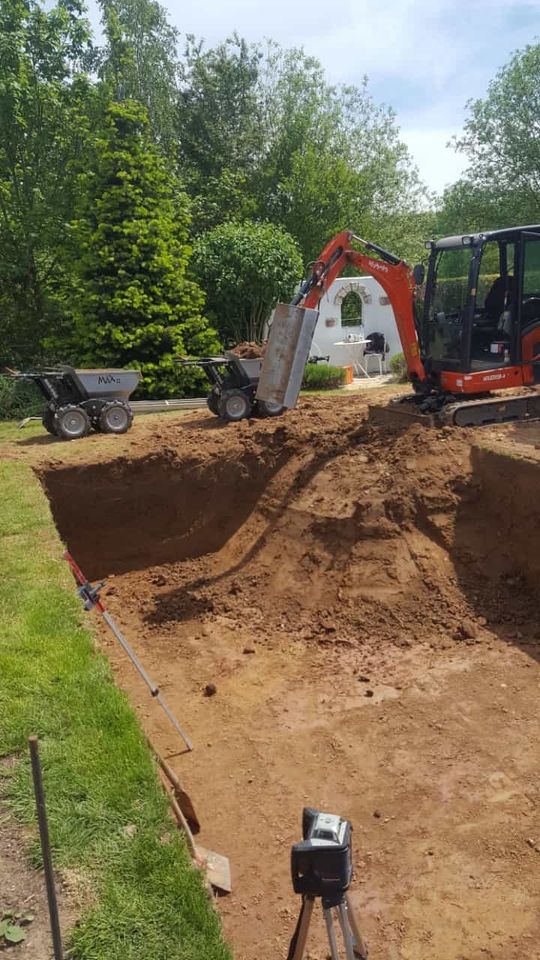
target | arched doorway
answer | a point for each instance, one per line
(351, 309)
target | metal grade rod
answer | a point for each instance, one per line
(154, 690)
(46, 848)
(91, 598)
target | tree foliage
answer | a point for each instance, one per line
(135, 304)
(219, 116)
(262, 130)
(501, 140)
(502, 133)
(245, 268)
(45, 102)
(219, 133)
(139, 61)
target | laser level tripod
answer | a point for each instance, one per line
(321, 866)
(355, 948)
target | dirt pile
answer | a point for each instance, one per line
(372, 537)
(320, 527)
(249, 350)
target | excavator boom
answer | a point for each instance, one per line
(294, 324)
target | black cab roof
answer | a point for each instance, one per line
(472, 239)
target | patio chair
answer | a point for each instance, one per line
(376, 347)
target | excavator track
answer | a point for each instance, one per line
(468, 413)
(479, 413)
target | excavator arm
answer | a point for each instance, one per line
(294, 324)
(394, 275)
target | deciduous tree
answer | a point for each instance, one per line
(245, 268)
(501, 140)
(139, 61)
(45, 99)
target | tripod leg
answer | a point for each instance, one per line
(360, 948)
(298, 942)
(348, 938)
(327, 912)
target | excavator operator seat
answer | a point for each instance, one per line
(499, 296)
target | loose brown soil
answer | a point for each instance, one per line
(365, 602)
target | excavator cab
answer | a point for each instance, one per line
(480, 321)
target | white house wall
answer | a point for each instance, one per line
(377, 317)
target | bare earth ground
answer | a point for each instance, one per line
(22, 891)
(365, 603)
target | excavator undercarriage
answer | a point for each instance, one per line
(480, 412)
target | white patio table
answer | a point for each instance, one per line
(358, 349)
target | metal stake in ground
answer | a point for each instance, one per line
(91, 599)
(46, 848)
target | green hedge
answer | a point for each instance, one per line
(19, 399)
(322, 376)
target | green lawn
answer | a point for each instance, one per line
(146, 902)
(10, 430)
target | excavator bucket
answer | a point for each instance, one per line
(398, 415)
(286, 354)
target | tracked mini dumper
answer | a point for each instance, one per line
(81, 400)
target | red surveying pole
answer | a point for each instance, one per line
(91, 599)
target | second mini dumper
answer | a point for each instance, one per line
(81, 400)
(234, 383)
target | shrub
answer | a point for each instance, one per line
(245, 268)
(399, 368)
(19, 399)
(322, 376)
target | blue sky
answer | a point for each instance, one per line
(425, 58)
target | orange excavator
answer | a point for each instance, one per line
(468, 327)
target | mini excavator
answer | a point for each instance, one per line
(469, 325)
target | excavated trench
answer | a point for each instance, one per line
(134, 514)
(409, 533)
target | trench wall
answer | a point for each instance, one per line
(510, 491)
(132, 514)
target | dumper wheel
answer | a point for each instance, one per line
(115, 417)
(48, 421)
(72, 422)
(267, 408)
(234, 405)
(212, 402)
